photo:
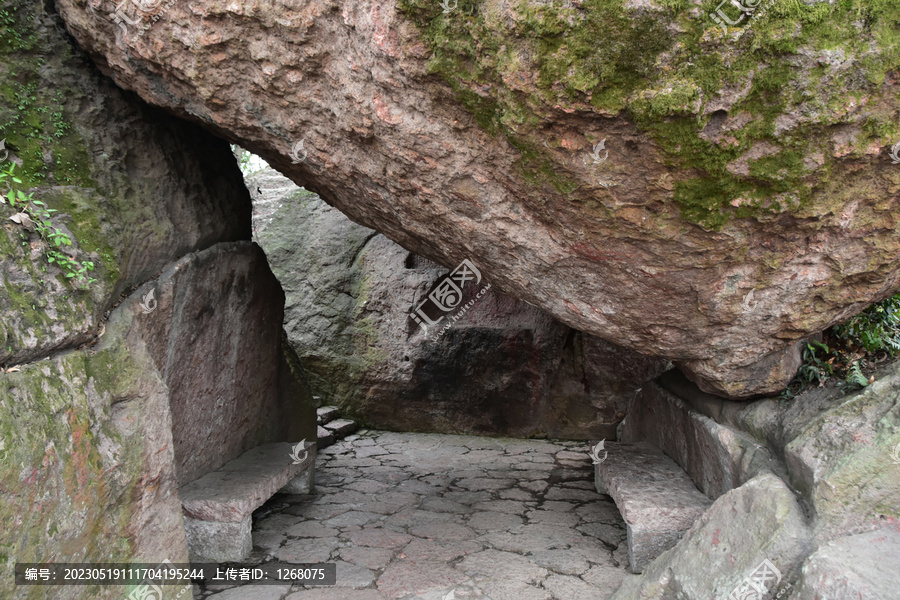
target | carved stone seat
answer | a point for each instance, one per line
(657, 499)
(218, 506)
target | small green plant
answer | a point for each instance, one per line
(877, 329)
(849, 351)
(35, 216)
(248, 162)
(817, 367)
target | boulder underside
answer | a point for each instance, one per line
(706, 196)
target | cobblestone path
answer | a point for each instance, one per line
(435, 517)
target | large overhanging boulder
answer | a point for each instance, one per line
(639, 169)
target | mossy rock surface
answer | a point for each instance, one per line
(132, 188)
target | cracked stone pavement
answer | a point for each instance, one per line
(433, 517)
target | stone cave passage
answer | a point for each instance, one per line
(443, 517)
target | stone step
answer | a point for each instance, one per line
(325, 437)
(218, 506)
(327, 414)
(341, 428)
(657, 499)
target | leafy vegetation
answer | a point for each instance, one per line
(850, 351)
(34, 215)
(248, 162)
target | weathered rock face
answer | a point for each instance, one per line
(215, 334)
(630, 168)
(104, 390)
(87, 464)
(853, 567)
(759, 521)
(136, 189)
(503, 368)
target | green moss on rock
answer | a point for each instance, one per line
(661, 67)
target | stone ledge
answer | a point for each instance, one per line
(657, 499)
(242, 485)
(341, 427)
(717, 457)
(218, 507)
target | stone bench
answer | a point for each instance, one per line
(657, 499)
(218, 507)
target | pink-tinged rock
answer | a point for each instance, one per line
(640, 243)
(857, 566)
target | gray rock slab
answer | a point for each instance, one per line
(563, 519)
(608, 534)
(304, 483)
(377, 538)
(218, 541)
(327, 414)
(445, 550)
(242, 485)
(857, 566)
(604, 578)
(567, 562)
(306, 550)
(759, 520)
(311, 529)
(416, 578)
(371, 558)
(657, 499)
(353, 575)
(717, 457)
(494, 521)
(502, 565)
(443, 531)
(564, 587)
(341, 427)
(324, 438)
